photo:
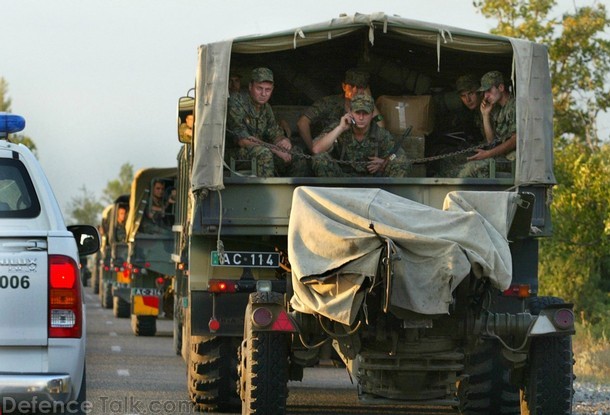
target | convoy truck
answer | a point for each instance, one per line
(148, 246)
(426, 287)
(113, 276)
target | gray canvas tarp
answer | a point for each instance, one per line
(332, 250)
(531, 79)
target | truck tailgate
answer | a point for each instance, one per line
(23, 291)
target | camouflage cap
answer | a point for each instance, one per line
(363, 102)
(261, 75)
(493, 78)
(357, 78)
(467, 82)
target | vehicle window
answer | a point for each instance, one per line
(17, 195)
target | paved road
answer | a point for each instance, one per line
(142, 375)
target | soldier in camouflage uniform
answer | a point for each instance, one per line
(465, 123)
(326, 111)
(369, 149)
(251, 124)
(499, 114)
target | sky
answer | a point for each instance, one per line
(98, 80)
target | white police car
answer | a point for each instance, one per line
(42, 316)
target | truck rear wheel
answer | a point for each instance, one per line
(549, 376)
(212, 373)
(144, 325)
(177, 327)
(263, 371)
(488, 389)
(120, 307)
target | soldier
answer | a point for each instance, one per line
(119, 229)
(186, 129)
(498, 109)
(234, 83)
(463, 129)
(328, 110)
(367, 149)
(157, 206)
(254, 133)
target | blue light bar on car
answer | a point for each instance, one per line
(11, 123)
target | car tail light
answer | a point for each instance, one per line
(65, 301)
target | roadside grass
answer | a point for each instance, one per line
(592, 356)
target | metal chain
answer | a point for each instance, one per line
(364, 163)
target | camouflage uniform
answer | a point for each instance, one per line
(504, 121)
(378, 143)
(326, 111)
(244, 120)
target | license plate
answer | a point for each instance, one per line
(246, 259)
(146, 291)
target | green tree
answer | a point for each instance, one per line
(119, 186)
(574, 263)
(85, 208)
(579, 53)
(5, 106)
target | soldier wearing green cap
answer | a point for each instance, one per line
(251, 124)
(499, 114)
(364, 148)
(326, 111)
(457, 128)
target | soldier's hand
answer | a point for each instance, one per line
(375, 165)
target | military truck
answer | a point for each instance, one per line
(426, 287)
(113, 275)
(149, 244)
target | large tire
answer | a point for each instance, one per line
(120, 307)
(263, 371)
(549, 376)
(487, 390)
(177, 326)
(212, 373)
(106, 295)
(144, 325)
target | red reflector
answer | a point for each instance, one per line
(214, 324)
(160, 280)
(283, 323)
(563, 318)
(150, 301)
(262, 317)
(222, 286)
(147, 265)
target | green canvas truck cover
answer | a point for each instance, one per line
(530, 78)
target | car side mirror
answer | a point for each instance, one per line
(87, 239)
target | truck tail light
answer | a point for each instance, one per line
(518, 290)
(65, 299)
(222, 286)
